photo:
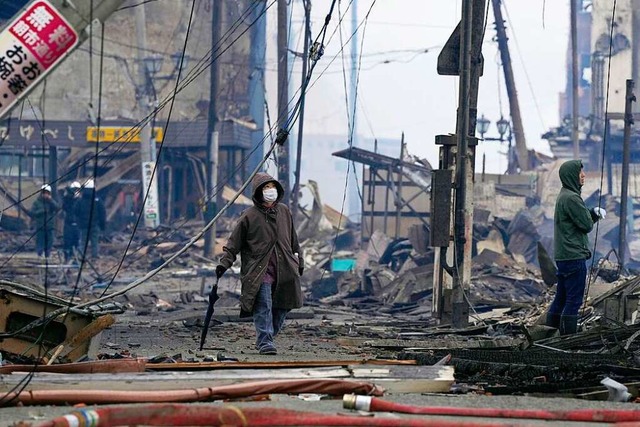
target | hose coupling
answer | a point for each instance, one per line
(357, 402)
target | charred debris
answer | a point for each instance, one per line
(377, 274)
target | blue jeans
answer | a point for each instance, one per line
(267, 320)
(572, 277)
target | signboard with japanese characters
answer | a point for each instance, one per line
(30, 47)
(151, 214)
(120, 134)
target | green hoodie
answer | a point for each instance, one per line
(572, 220)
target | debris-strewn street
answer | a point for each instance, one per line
(206, 220)
(367, 323)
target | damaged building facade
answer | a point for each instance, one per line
(68, 146)
(441, 288)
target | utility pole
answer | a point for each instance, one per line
(212, 133)
(574, 79)
(354, 200)
(256, 81)
(626, 155)
(147, 140)
(461, 56)
(459, 303)
(75, 16)
(283, 96)
(305, 66)
(514, 106)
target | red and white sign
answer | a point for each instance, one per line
(29, 47)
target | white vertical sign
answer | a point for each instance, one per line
(151, 214)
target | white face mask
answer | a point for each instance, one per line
(270, 194)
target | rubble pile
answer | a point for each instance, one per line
(370, 298)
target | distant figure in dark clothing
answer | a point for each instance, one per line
(44, 212)
(91, 216)
(71, 233)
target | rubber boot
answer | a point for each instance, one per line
(568, 325)
(553, 320)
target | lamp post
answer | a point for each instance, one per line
(504, 134)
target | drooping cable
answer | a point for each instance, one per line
(91, 227)
(290, 121)
(124, 138)
(155, 165)
(351, 122)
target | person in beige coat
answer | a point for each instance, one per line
(271, 261)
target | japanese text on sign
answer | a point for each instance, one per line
(119, 134)
(29, 47)
(151, 204)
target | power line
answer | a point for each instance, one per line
(155, 166)
(282, 134)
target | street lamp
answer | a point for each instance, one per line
(153, 65)
(503, 125)
(482, 125)
(504, 134)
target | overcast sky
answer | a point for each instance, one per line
(400, 89)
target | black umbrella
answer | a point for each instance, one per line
(213, 297)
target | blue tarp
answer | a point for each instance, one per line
(343, 264)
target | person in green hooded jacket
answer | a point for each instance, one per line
(572, 222)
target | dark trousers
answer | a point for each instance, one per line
(93, 234)
(70, 239)
(44, 241)
(572, 278)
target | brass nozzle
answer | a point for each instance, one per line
(349, 401)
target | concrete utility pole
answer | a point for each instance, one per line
(354, 200)
(514, 106)
(575, 80)
(459, 303)
(147, 139)
(305, 65)
(626, 155)
(212, 134)
(256, 82)
(76, 15)
(283, 96)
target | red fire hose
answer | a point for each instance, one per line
(374, 404)
(192, 415)
(334, 387)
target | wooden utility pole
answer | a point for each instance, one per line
(283, 96)
(575, 80)
(514, 106)
(305, 61)
(212, 133)
(626, 155)
(398, 193)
